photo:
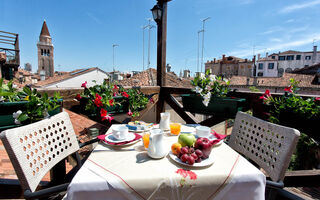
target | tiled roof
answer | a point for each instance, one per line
(149, 78)
(44, 30)
(305, 80)
(313, 69)
(63, 76)
(290, 52)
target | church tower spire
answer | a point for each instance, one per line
(45, 52)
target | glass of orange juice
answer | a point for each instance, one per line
(175, 128)
(145, 140)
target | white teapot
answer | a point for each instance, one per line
(156, 148)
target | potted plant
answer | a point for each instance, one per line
(211, 98)
(26, 106)
(294, 111)
(100, 102)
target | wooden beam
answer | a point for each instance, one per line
(175, 90)
(8, 33)
(212, 121)
(7, 40)
(6, 43)
(176, 106)
(7, 36)
(302, 178)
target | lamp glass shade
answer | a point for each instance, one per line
(156, 13)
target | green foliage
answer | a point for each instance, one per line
(9, 93)
(254, 89)
(38, 106)
(216, 85)
(137, 101)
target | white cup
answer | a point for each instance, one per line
(203, 131)
(120, 132)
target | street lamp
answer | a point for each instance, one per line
(157, 13)
(113, 46)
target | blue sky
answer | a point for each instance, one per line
(83, 31)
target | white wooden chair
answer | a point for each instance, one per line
(268, 145)
(36, 148)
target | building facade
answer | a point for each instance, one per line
(276, 64)
(45, 52)
(230, 66)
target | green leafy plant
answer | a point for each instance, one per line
(9, 92)
(38, 106)
(210, 85)
(137, 101)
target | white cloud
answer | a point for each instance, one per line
(275, 40)
(272, 30)
(90, 15)
(279, 46)
(299, 6)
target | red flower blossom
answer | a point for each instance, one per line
(185, 173)
(263, 97)
(97, 101)
(108, 117)
(267, 93)
(114, 94)
(125, 94)
(78, 97)
(130, 113)
(317, 99)
(84, 84)
(111, 102)
(115, 87)
(151, 100)
(103, 112)
(288, 89)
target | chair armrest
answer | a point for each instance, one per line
(275, 185)
(89, 142)
(46, 192)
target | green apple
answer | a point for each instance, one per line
(186, 139)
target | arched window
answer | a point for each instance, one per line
(288, 70)
(48, 53)
(42, 52)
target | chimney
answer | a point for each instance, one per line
(254, 59)
(314, 54)
(214, 60)
(258, 56)
(168, 67)
(246, 60)
(223, 58)
(267, 55)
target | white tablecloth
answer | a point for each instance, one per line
(98, 179)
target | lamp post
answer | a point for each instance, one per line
(159, 13)
(144, 27)
(113, 46)
(203, 21)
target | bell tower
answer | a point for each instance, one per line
(45, 52)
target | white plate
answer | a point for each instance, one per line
(111, 138)
(204, 163)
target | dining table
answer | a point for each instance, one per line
(126, 171)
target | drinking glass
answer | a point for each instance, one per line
(145, 140)
(175, 128)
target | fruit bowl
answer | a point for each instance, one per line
(204, 163)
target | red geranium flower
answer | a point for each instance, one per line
(107, 117)
(111, 102)
(125, 94)
(103, 112)
(267, 93)
(84, 84)
(130, 113)
(151, 100)
(114, 94)
(317, 99)
(97, 101)
(115, 87)
(288, 89)
(78, 97)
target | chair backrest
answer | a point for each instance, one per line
(268, 145)
(35, 148)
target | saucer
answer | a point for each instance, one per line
(111, 138)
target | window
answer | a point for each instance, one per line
(282, 57)
(260, 73)
(290, 57)
(270, 65)
(260, 66)
(308, 58)
(298, 57)
(42, 52)
(273, 57)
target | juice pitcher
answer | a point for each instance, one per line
(164, 121)
(156, 148)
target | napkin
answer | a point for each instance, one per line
(102, 137)
(218, 136)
